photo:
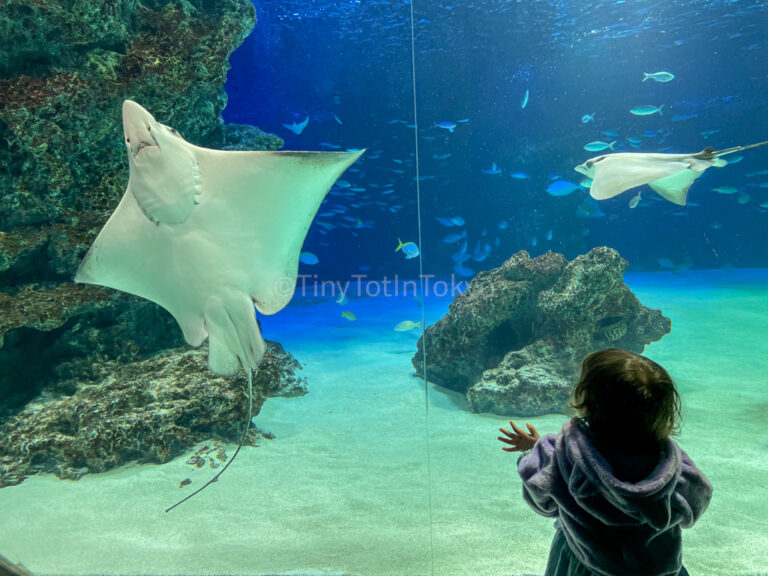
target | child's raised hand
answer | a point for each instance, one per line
(518, 440)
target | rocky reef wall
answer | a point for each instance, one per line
(65, 68)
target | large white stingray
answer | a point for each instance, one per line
(671, 175)
(209, 235)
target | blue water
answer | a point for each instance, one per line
(351, 62)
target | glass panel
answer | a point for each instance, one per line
(337, 482)
(512, 96)
(473, 116)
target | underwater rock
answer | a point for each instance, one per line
(513, 342)
(149, 412)
(247, 137)
(60, 99)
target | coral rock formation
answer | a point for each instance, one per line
(514, 340)
(149, 411)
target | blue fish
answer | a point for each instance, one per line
(646, 110)
(520, 176)
(599, 145)
(308, 258)
(588, 118)
(492, 170)
(409, 249)
(450, 126)
(658, 76)
(527, 95)
(562, 188)
(463, 271)
(453, 238)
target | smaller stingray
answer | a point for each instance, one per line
(671, 175)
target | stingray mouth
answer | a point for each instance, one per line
(137, 143)
(137, 148)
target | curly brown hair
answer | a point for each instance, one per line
(626, 398)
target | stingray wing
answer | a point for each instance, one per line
(266, 202)
(675, 187)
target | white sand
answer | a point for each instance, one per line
(345, 486)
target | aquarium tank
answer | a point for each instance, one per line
(279, 279)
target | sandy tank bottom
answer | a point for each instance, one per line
(351, 485)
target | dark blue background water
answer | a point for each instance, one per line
(352, 62)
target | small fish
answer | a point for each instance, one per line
(534, 241)
(338, 120)
(445, 221)
(735, 159)
(527, 95)
(297, 128)
(588, 118)
(308, 258)
(407, 325)
(503, 225)
(342, 183)
(548, 235)
(409, 249)
(458, 220)
(658, 76)
(520, 176)
(492, 170)
(646, 110)
(347, 315)
(463, 271)
(726, 189)
(450, 126)
(683, 117)
(561, 188)
(743, 198)
(611, 133)
(453, 238)
(442, 156)
(635, 200)
(708, 133)
(599, 145)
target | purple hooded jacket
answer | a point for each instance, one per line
(613, 527)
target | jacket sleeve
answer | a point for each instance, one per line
(692, 494)
(540, 475)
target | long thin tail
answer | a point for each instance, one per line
(242, 441)
(737, 149)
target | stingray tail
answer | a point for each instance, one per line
(242, 441)
(735, 149)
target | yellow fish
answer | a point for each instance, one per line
(349, 315)
(406, 325)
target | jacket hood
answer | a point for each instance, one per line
(593, 485)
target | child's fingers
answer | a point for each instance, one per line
(516, 429)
